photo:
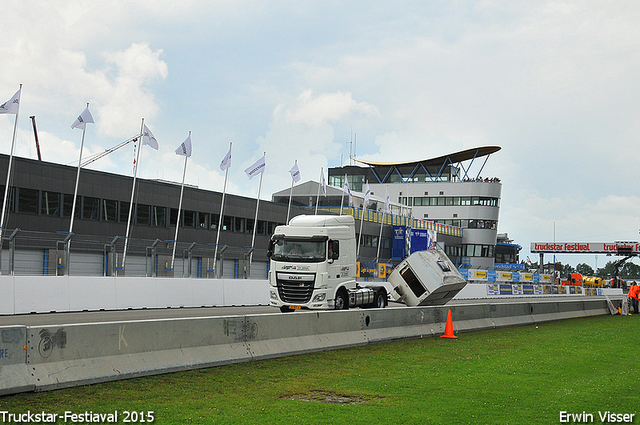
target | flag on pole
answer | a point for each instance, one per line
(367, 194)
(256, 168)
(226, 161)
(295, 173)
(82, 120)
(11, 105)
(185, 148)
(323, 182)
(148, 138)
(387, 203)
(347, 189)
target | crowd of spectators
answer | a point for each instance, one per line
(480, 179)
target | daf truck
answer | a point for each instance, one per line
(313, 267)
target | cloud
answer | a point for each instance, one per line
(126, 96)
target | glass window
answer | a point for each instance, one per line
(109, 210)
(91, 208)
(239, 224)
(143, 215)
(249, 228)
(262, 227)
(300, 249)
(28, 201)
(159, 216)
(67, 206)
(214, 221)
(173, 217)
(124, 211)
(50, 203)
(203, 220)
(227, 223)
(188, 218)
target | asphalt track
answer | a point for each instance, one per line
(40, 319)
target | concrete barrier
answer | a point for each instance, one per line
(43, 294)
(39, 358)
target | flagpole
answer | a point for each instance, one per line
(381, 224)
(290, 194)
(255, 221)
(75, 196)
(175, 239)
(364, 206)
(342, 197)
(6, 185)
(224, 191)
(75, 193)
(133, 189)
(318, 193)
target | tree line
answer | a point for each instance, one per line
(627, 271)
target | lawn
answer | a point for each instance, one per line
(517, 375)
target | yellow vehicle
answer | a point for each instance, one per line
(594, 282)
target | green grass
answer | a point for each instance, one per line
(517, 375)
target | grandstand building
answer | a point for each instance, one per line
(448, 190)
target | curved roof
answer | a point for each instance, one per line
(454, 157)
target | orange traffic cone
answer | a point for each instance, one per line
(448, 329)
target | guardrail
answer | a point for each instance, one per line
(39, 358)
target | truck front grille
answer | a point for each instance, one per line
(296, 291)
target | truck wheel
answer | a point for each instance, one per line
(341, 302)
(381, 299)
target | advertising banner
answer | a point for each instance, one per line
(583, 247)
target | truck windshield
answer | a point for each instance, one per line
(300, 250)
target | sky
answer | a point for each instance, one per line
(553, 83)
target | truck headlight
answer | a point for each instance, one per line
(319, 297)
(273, 295)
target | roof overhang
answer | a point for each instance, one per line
(455, 157)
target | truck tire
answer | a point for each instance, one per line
(380, 300)
(342, 300)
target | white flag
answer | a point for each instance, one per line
(367, 194)
(295, 173)
(82, 120)
(347, 189)
(387, 204)
(185, 148)
(11, 106)
(148, 138)
(226, 161)
(256, 168)
(323, 182)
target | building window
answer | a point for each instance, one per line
(143, 215)
(67, 206)
(159, 216)
(124, 211)
(109, 210)
(203, 220)
(28, 201)
(90, 208)
(188, 218)
(227, 223)
(239, 224)
(215, 218)
(50, 203)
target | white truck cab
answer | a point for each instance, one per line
(313, 266)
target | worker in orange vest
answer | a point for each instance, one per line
(633, 297)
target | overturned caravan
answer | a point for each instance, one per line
(425, 278)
